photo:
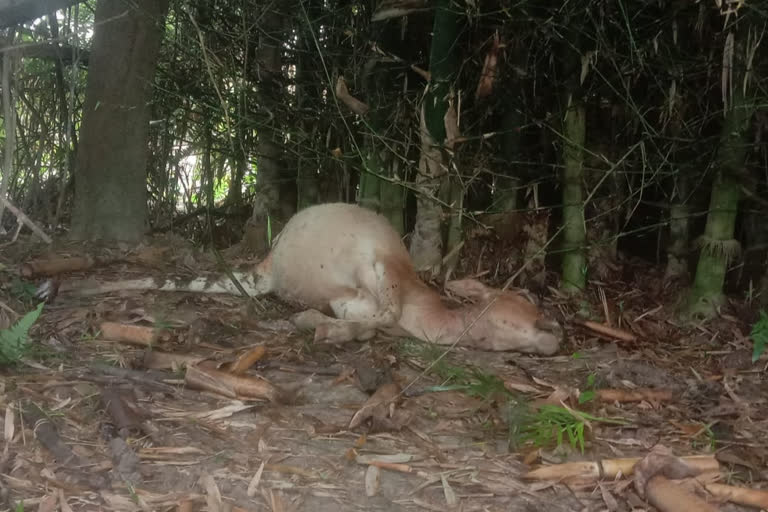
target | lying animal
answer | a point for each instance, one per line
(343, 260)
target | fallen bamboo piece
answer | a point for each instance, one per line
(610, 468)
(55, 266)
(126, 333)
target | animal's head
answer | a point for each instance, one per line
(511, 323)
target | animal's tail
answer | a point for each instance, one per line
(220, 284)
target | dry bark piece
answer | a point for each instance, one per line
(634, 395)
(124, 417)
(247, 359)
(605, 330)
(232, 386)
(133, 334)
(355, 105)
(668, 497)
(489, 72)
(378, 407)
(55, 266)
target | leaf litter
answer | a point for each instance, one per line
(160, 401)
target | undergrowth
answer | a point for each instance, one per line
(13, 341)
(542, 425)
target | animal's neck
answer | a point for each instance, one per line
(426, 317)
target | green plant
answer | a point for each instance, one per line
(22, 290)
(470, 380)
(553, 422)
(759, 335)
(589, 393)
(13, 341)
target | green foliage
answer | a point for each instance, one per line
(22, 290)
(469, 380)
(553, 423)
(759, 335)
(13, 341)
(589, 394)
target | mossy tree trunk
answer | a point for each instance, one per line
(427, 244)
(718, 246)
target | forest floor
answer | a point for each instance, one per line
(164, 443)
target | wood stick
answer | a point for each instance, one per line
(26, 220)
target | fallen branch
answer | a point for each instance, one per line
(22, 217)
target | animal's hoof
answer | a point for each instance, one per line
(308, 319)
(332, 332)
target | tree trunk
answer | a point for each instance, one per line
(111, 188)
(427, 245)
(67, 134)
(507, 182)
(370, 183)
(574, 278)
(268, 148)
(9, 127)
(718, 246)
(455, 198)
(307, 96)
(679, 232)
(392, 197)
(240, 160)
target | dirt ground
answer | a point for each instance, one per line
(171, 445)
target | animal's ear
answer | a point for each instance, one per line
(469, 289)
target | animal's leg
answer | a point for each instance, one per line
(360, 313)
(351, 309)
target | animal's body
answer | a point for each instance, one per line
(350, 268)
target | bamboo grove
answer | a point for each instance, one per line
(597, 130)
